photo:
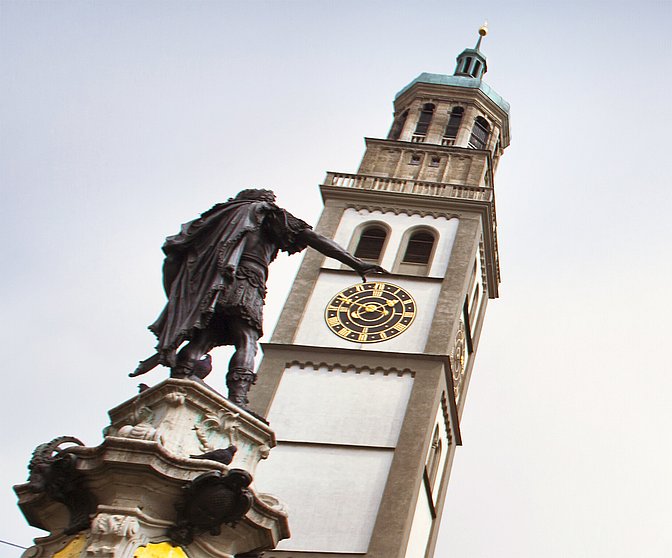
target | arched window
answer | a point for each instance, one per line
(423, 122)
(419, 248)
(371, 243)
(398, 126)
(479, 133)
(434, 457)
(416, 252)
(453, 126)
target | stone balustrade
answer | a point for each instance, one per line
(409, 186)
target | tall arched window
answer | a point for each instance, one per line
(417, 252)
(479, 133)
(423, 122)
(434, 457)
(398, 126)
(371, 243)
(419, 248)
(453, 126)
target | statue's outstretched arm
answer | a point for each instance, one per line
(330, 248)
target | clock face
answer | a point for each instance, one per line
(370, 312)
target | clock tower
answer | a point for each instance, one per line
(364, 383)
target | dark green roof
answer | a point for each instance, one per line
(460, 81)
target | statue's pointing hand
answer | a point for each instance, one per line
(365, 269)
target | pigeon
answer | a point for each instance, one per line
(203, 367)
(142, 387)
(224, 456)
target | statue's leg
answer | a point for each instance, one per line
(200, 345)
(241, 366)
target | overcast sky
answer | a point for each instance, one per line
(121, 120)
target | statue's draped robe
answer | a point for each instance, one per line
(206, 261)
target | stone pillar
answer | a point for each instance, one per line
(141, 494)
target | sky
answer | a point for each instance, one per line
(121, 120)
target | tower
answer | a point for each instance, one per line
(364, 383)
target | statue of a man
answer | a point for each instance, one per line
(215, 275)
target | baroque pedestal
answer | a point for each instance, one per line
(140, 494)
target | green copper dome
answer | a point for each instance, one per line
(460, 81)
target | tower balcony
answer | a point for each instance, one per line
(409, 186)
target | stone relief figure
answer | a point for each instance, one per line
(214, 275)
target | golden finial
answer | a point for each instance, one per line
(482, 32)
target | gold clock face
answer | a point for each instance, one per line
(370, 312)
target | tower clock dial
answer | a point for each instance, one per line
(370, 312)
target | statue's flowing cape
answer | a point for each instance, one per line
(207, 252)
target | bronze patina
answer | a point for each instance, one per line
(214, 275)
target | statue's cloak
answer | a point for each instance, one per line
(204, 258)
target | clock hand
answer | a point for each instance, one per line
(371, 307)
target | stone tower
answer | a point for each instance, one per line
(364, 383)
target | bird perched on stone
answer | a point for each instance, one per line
(142, 387)
(224, 456)
(203, 367)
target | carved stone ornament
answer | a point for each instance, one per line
(53, 471)
(113, 534)
(142, 429)
(210, 500)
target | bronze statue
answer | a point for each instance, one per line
(215, 275)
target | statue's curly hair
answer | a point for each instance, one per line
(256, 194)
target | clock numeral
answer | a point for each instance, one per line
(383, 335)
(333, 321)
(362, 336)
(359, 288)
(400, 327)
(377, 292)
(408, 314)
(345, 332)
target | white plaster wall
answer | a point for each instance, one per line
(337, 407)
(313, 329)
(421, 527)
(399, 224)
(333, 494)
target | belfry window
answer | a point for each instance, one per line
(453, 126)
(419, 248)
(398, 126)
(423, 122)
(371, 243)
(479, 133)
